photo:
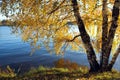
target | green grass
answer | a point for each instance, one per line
(45, 73)
(66, 74)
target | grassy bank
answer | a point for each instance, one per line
(45, 73)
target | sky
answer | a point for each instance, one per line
(1, 16)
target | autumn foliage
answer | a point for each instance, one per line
(60, 25)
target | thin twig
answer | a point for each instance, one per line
(56, 7)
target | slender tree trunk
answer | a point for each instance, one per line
(94, 66)
(114, 25)
(114, 58)
(108, 40)
(103, 58)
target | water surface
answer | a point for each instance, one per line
(16, 53)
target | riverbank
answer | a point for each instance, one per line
(44, 73)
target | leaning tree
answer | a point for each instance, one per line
(92, 26)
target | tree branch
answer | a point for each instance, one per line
(73, 38)
(56, 7)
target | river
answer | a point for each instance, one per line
(16, 53)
